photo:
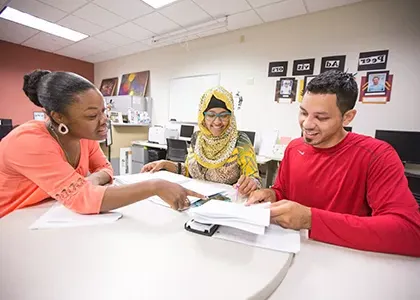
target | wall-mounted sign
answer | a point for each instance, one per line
(303, 67)
(374, 60)
(333, 63)
(277, 69)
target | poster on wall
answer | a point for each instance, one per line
(109, 87)
(373, 60)
(277, 68)
(333, 63)
(303, 67)
(134, 84)
(286, 90)
(376, 87)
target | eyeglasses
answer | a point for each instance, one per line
(211, 116)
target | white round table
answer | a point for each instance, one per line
(326, 272)
(145, 255)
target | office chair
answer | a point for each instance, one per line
(251, 135)
(177, 150)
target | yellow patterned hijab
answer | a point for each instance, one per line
(213, 151)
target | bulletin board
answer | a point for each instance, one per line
(185, 95)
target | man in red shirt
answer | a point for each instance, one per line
(347, 189)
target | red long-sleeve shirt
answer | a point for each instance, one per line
(357, 191)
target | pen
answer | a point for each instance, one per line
(237, 193)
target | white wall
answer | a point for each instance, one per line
(367, 26)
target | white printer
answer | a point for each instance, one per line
(159, 134)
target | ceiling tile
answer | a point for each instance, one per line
(281, 10)
(47, 42)
(99, 16)
(2, 3)
(15, 33)
(220, 8)
(185, 13)
(85, 47)
(244, 19)
(133, 31)
(99, 57)
(66, 5)
(212, 32)
(38, 9)
(117, 52)
(259, 3)
(132, 48)
(80, 25)
(128, 9)
(156, 23)
(317, 5)
(114, 38)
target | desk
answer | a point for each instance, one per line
(145, 255)
(326, 272)
(270, 163)
(145, 143)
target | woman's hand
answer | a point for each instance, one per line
(175, 195)
(155, 166)
(246, 185)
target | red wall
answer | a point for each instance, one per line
(15, 62)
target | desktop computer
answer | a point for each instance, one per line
(406, 143)
(5, 127)
(186, 131)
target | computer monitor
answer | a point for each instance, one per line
(251, 135)
(187, 131)
(6, 126)
(406, 143)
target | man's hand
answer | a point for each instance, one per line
(264, 195)
(290, 214)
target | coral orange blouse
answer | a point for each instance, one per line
(33, 167)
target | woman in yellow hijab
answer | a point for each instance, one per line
(218, 152)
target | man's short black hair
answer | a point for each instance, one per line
(341, 84)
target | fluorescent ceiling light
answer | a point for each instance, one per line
(17, 16)
(158, 3)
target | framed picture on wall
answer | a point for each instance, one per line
(285, 90)
(376, 87)
(39, 115)
(116, 117)
(109, 87)
(307, 79)
(376, 82)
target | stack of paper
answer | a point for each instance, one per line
(59, 216)
(275, 238)
(253, 219)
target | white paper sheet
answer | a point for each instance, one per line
(204, 188)
(228, 210)
(59, 216)
(275, 238)
(139, 177)
(249, 218)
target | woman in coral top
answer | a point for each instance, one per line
(52, 159)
